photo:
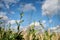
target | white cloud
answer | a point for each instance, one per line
(29, 7)
(43, 21)
(13, 21)
(56, 29)
(24, 28)
(53, 28)
(4, 18)
(3, 15)
(36, 24)
(50, 7)
(13, 25)
(8, 2)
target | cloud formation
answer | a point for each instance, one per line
(37, 24)
(7, 3)
(51, 7)
(55, 29)
(3, 19)
(13, 21)
(3, 15)
(29, 7)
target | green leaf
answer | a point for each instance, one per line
(21, 15)
(41, 24)
(21, 21)
(16, 22)
(1, 22)
(1, 17)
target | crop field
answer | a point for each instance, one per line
(28, 34)
(29, 19)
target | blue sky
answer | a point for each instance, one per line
(34, 10)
